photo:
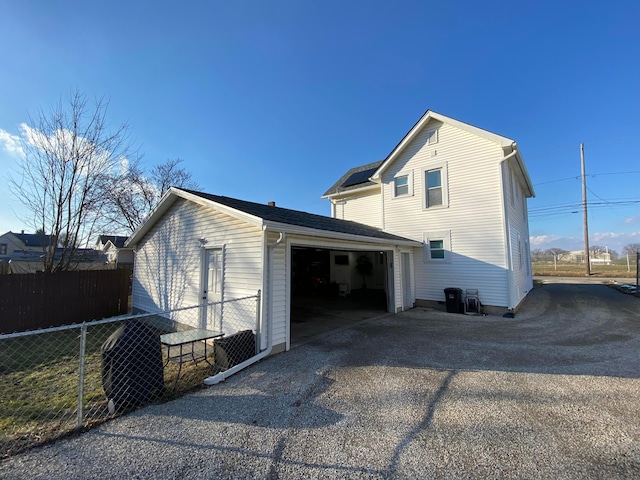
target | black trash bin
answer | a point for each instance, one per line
(453, 298)
(132, 369)
(234, 349)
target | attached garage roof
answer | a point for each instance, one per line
(270, 217)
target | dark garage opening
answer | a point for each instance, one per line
(327, 292)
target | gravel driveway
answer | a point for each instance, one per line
(553, 393)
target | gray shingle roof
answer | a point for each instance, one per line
(354, 178)
(35, 239)
(300, 219)
(117, 240)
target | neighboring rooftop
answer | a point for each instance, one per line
(34, 239)
(117, 240)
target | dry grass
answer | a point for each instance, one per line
(572, 270)
(39, 387)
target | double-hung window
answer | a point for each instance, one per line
(403, 184)
(3, 248)
(436, 249)
(437, 246)
(435, 186)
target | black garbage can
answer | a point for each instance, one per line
(234, 349)
(453, 297)
(132, 369)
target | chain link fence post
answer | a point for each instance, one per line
(81, 369)
(258, 336)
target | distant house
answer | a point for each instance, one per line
(31, 261)
(597, 257)
(11, 243)
(114, 248)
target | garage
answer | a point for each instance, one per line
(333, 288)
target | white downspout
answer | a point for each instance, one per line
(267, 351)
(507, 229)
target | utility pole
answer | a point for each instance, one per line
(587, 260)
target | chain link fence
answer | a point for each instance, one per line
(58, 380)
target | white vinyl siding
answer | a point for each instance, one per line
(519, 237)
(474, 214)
(167, 269)
(279, 289)
(363, 208)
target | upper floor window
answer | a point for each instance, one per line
(435, 186)
(432, 136)
(401, 185)
(3, 248)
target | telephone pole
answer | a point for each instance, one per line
(587, 260)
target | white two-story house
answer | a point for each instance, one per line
(446, 208)
(462, 192)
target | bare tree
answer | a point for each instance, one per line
(559, 253)
(133, 195)
(631, 248)
(69, 156)
(170, 174)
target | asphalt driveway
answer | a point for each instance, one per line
(553, 393)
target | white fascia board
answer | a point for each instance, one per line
(347, 193)
(314, 232)
(430, 115)
(169, 199)
(525, 173)
(163, 205)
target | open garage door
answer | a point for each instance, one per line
(332, 289)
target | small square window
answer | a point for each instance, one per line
(436, 249)
(401, 185)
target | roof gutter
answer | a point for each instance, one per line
(267, 351)
(293, 230)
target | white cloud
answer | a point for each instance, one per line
(11, 143)
(630, 220)
(539, 240)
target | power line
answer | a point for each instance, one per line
(593, 175)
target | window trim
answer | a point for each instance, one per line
(444, 178)
(409, 175)
(445, 238)
(431, 133)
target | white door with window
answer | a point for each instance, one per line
(212, 289)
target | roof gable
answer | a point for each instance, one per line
(509, 146)
(428, 116)
(118, 241)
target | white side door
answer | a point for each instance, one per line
(212, 289)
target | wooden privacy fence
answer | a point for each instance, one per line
(31, 301)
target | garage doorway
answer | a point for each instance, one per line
(329, 289)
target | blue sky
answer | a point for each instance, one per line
(276, 100)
